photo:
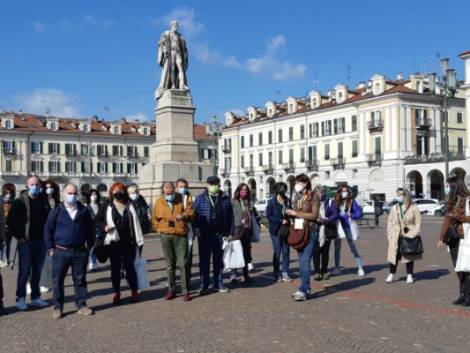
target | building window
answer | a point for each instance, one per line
(242, 141)
(84, 149)
(459, 118)
(86, 128)
(132, 151)
(53, 126)
(102, 167)
(354, 123)
(291, 133)
(279, 157)
(260, 159)
(312, 153)
(86, 167)
(251, 161)
(242, 161)
(302, 132)
(354, 148)
(54, 167)
(117, 151)
(70, 149)
(70, 167)
(118, 168)
(270, 158)
(260, 139)
(9, 147)
(102, 150)
(460, 145)
(315, 130)
(8, 165)
(251, 140)
(327, 152)
(36, 147)
(116, 130)
(279, 135)
(270, 137)
(8, 124)
(146, 151)
(378, 146)
(291, 156)
(37, 166)
(340, 150)
(131, 168)
(342, 125)
(302, 155)
(146, 131)
(53, 148)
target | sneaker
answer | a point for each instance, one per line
(3, 264)
(409, 279)
(360, 272)
(326, 276)
(187, 297)
(286, 278)
(86, 311)
(92, 266)
(460, 300)
(222, 289)
(203, 291)
(44, 289)
(170, 295)
(38, 302)
(389, 278)
(57, 314)
(21, 304)
(317, 277)
(117, 298)
(299, 296)
(233, 278)
(336, 271)
(251, 267)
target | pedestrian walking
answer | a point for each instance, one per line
(8, 196)
(142, 209)
(93, 202)
(2, 239)
(182, 187)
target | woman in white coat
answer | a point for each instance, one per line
(404, 221)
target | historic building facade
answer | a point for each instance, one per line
(381, 135)
(92, 153)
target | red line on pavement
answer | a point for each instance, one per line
(407, 304)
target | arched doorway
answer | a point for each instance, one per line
(291, 184)
(415, 184)
(436, 184)
(228, 187)
(459, 172)
(270, 187)
(252, 185)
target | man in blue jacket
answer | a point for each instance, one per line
(214, 221)
(68, 232)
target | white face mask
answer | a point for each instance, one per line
(400, 199)
(49, 191)
(344, 194)
(299, 188)
(7, 197)
(447, 189)
(134, 196)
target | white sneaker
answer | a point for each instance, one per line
(251, 267)
(409, 279)
(336, 271)
(3, 264)
(21, 304)
(44, 289)
(28, 288)
(360, 272)
(92, 266)
(389, 278)
(38, 302)
(299, 296)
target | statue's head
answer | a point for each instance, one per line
(174, 25)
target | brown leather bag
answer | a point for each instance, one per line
(299, 238)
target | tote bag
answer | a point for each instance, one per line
(140, 266)
(233, 255)
(463, 259)
(46, 273)
(256, 231)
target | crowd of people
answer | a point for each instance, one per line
(78, 231)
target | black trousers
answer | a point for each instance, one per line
(321, 257)
(409, 265)
(122, 255)
(245, 239)
(463, 277)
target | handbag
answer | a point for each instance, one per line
(411, 246)
(283, 232)
(255, 231)
(299, 238)
(140, 265)
(331, 231)
(452, 238)
(233, 255)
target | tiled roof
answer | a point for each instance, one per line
(465, 53)
(37, 123)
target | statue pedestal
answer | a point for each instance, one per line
(175, 153)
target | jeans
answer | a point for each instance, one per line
(305, 258)
(62, 260)
(122, 255)
(31, 256)
(321, 257)
(352, 247)
(175, 249)
(280, 247)
(211, 244)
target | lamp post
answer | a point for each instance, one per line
(214, 128)
(449, 88)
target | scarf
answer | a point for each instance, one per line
(322, 236)
(246, 213)
(113, 235)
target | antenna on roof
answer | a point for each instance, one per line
(48, 111)
(348, 76)
(278, 93)
(316, 81)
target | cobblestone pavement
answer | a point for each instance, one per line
(346, 313)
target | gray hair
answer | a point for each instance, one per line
(69, 184)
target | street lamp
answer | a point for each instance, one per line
(449, 88)
(214, 128)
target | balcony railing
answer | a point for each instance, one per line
(375, 125)
(226, 149)
(250, 170)
(225, 172)
(434, 158)
(374, 159)
(10, 151)
(338, 163)
(312, 165)
(289, 167)
(423, 123)
(268, 169)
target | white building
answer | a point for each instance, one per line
(380, 135)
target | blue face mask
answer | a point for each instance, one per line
(170, 198)
(71, 199)
(183, 191)
(35, 190)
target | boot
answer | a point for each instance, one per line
(466, 301)
(2, 309)
(460, 300)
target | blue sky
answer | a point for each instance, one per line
(81, 58)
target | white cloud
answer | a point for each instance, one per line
(39, 26)
(137, 116)
(87, 21)
(54, 101)
(185, 16)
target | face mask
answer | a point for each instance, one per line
(120, 196)
(244, 194)
(214, 189)
(183, 191)
(133, 197)
(93, 198)
(70, 199)
(299, 188)
(49, 191)
(399, 199)
(35, 190)
(344, 194)
(170, 198)
(6, 198)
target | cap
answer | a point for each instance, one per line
(213, 180)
